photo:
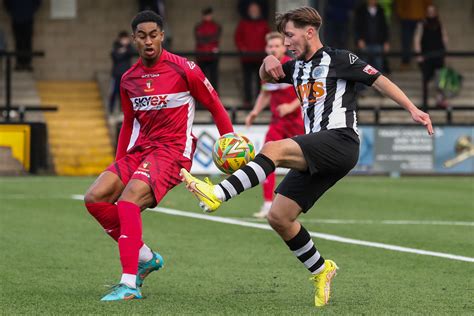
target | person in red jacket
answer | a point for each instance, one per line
(207, 34)
(158, 96)
(250, 37)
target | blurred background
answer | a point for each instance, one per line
(61, 62)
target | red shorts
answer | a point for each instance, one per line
(158, 167)
(279, 131)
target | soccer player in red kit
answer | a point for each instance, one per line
(158, 97)
(287, 118)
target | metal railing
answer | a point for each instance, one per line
(9, 107)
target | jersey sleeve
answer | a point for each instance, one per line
(350, 67)
(288, 69)
(202, 90)
(127, 124)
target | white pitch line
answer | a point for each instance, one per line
(233, 221)
(371, 222)
(345, 240)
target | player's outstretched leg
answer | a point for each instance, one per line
(282, 218)
(136, 196)
(99, 201)
(284, 153)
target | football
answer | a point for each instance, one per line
(231, 152)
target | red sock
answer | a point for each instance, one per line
(269, 187)
(130, 240)
(107, 216)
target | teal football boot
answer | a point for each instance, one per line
(145, 268)
(122, 292)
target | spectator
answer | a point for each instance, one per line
(430, 40)
(22, 14)
(337, 23)
(122, 52)
(410, 13)
(250, 37)
(207, 34)
(372, 32)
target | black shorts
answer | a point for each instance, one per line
(330, 155)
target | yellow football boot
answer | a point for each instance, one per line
(322, 283)
(203, 191)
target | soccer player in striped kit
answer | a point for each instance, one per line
(158, 99)
(324, 80)
(286, 121)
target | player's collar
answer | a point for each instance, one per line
(162, 57)
(315, 54)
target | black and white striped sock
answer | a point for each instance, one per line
(303, 248)
(252, 174)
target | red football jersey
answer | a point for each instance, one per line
(283, 93)
(158, 105)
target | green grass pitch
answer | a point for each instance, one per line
(55, 259)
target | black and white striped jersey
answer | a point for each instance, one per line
(325, 85)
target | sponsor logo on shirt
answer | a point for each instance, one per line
(370, 70)
(311, 91)
(161, 101)
(156, 102)
(150, 75)
(191, 64)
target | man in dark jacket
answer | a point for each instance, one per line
(22, 14)
(371, 32)
(122, 52)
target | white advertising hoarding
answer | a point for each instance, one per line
(207, 136)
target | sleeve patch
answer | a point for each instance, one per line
(370, 70)
(208, 85)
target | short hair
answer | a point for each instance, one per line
(122, 34)
(273, 35)
(301, 17)
(146, 16)
(207, 11)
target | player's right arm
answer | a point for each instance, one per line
(262, 102)
(127, 124)
(273, 71)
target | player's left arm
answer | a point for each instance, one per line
(391, 90)
(202, 90)
(287, 108)
(349, 67)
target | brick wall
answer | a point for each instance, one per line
(75, 49)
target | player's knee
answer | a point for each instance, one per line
(271, 150)
(278, 222)
(93, 196)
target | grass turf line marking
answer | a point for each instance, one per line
(370, 222)
(330, 237)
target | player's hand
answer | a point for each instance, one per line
(273, 67)
(250, 118)
(284, 109)
(424, 119)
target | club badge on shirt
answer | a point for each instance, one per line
(149, 84)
